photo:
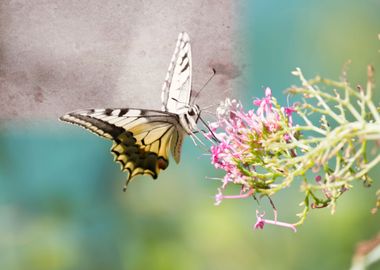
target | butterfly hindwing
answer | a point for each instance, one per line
(141, 138)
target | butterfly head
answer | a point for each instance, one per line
(194, 111)
(190, 118)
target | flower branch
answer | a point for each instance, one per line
(265, 151)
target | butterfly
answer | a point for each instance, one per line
(142, 138)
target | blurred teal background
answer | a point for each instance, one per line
(62, 205)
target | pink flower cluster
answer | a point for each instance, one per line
(240, 136)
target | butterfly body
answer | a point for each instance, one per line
(142, 138)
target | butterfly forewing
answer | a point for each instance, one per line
(176, 89)
(141, 138)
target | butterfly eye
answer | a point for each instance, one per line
(191, 112)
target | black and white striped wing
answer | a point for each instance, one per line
(141, 138)
(176, 89)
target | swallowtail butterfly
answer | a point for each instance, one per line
(142, 138)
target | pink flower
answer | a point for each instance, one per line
(265, 101)
(288, 111)
(241, 145)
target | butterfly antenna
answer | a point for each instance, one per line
(200, 90)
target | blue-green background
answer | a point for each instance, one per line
(61, 204)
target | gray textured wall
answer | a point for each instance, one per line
(57, 56)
